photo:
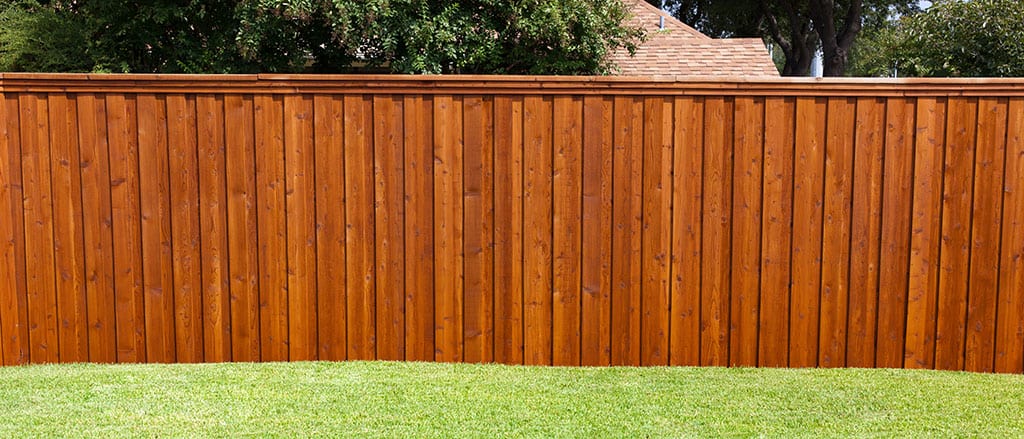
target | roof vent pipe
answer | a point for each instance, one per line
(661, 22)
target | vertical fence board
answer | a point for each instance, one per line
(985, 235)
(808, 203)
(508, 229)
(627, 163)
(656, 232)
(67, 229)
(1010, 314)
(213, 228)
(13, 301)
(38, 211)
(157, 260)
(537, 229)
(894, 259)
(567, 223)
(448, 228)
(271, 227)
(242, 224)
(746, 232)
(865, 232)
(924, 240)
(776, 232)
(184, 183)
(958, 185)
(389, 197)
(419, 228)
(330, 227)
(835, 255)
(359, 233)
(124, 197)
(716, 268)
(478, 223)
(687, 204)
(596, 251)
(301, 227)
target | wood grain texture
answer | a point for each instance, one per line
(567, 222)
(478, 223)
(389, 217)
(300, 212)
(596, 251)
(213, 228)
(1010, 314)
(508, 230)
(627, 204)
(979, 355)
(955, 248)
(687, 202)
(835, 253)
(271, 227)
(716, 278)
(537, 230)
(419, 228)
(330, 227)
(448, 229)
(155, 208)
(656, 235)
(924, 241)
(13, 301)
(359, 234)
(746, 231)
(242, 217)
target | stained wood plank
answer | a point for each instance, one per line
(1009, 356)
(776, 232)
(508, 229)
(68, 244)
(157, 259)
(716, 228)
(389, 197)
(213, 228)
(243, 264)
(537, 229)
(359, 221)
(419, 228)
(687, 202)
(448, 229)
(746, 231)
(627, 204)
(985, 235)
(14, 345)
(865, 232)
(656, 239)
(596, 251)
(184, 180)
(955, 248)
(272, 228)
(301, 225)
(478, 205)
(895, 253)
(808, 201)
(567, 219)
(924, 241)
(330, 227)
(122, 135)
(835, 252)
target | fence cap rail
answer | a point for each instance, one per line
(492, 84)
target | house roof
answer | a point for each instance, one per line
(680, 50)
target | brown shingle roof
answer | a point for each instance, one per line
(680, 50)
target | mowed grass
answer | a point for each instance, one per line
(381, 399)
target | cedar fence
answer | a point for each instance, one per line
(566, 221)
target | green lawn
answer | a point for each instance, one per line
(367, 399)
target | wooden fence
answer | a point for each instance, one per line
(563, 221)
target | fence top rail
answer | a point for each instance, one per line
(491, 85)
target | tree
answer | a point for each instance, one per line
(798, 27)
(238, 36)
(421, 36)
(952, 38)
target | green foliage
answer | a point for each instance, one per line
(40, 39)
(238, 36)
(952, 38)
(418, 36)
